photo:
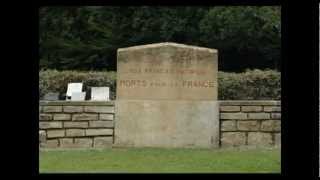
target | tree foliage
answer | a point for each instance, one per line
(86, 38)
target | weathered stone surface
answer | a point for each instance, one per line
(42, 136)
(83, 142)
(45, 117)
(55, 133)
(84, 117)
(106, 117)
(52, 109)
(73, 124)
(165, 123)
(248, 125)
(40, 109)
(251, 108)
(258, 116)
(66, 142)
(72, 109)
(250, 103)
(277, 139)
(62, 117)
(233, 139)
(75, 132)
(50, 125)
(167, 96)
(271, 125)
(272, 108)
(99, 132)
(99, 109)
(239, 115)
(107, 124)
(229, 108)
(228, 125)
(50, 143)
(167, 71)
(103, 142)
(275, 115)
(259, 138)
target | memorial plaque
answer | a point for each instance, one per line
(78, 96)
(74, 87)
(167, 71)
(100, 93)
(167, 96)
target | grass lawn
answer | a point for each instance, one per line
(153, 160)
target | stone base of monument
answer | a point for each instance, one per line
(167, 123)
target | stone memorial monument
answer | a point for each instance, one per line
(167, 96)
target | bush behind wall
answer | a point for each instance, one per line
(249, 85)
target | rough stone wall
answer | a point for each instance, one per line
(89, 124)
(256, 123)
(69, 124)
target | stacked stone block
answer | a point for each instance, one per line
(89, 124)
(256, 123)
(83, 124)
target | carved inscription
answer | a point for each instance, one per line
(163, 72)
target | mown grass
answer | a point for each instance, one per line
(153, 160)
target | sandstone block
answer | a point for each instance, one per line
(228, 125)
(73, 109)
(272, 108)
(103, 142)
(50, 143)
(276, 115)
(271, 125)
(84, 117)
(50, 125)
(259, 138)
(83, 142)
(55, 133)
(258, 116)
(66, 142)
(99, 132)
(52, 109)
(251, 108)
(107, 124)
(106, 117)
(233, 115)
(233, 138)
(248, 125)
(99, 109)
(62, 117)
(229, 108)
(73, 124)
(277, 139)
(75, 132)
(45, 117)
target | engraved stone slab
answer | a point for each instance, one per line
(78, 96)
(167, 71)
(167, 96)
(100, 93)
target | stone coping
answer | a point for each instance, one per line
(250, 102)
(154, 45)
(111, 103)
(76, 103)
